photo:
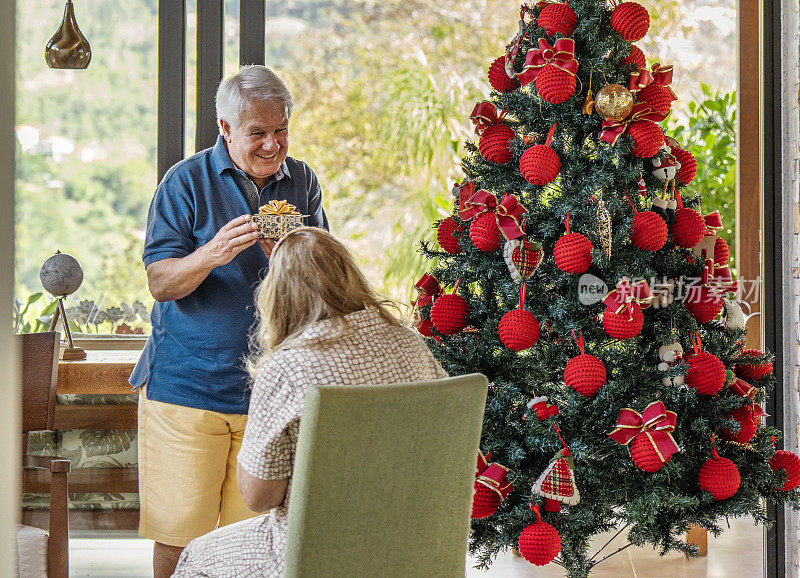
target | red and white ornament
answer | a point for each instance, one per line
(670, 356)
(558, 19)
(557, 482)
(539, 542)
(519, 329)
(540, 164)
(719, 476)
(573, 252)
(498, 76)
(584, 373)
(449, 313)
(752, 371)
(789, 463)
(648, 230)
(491, 487)
(541, 408)
(649, 433)
(522, 258)
(444, 236)
(630, 20)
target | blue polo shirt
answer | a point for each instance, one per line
(194, 354)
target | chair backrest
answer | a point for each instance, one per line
(39, 366)
(383, 479)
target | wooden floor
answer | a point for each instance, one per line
(736, 554)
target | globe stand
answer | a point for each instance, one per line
(67, 353)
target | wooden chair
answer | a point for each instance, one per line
(383, 479)
(39, 355)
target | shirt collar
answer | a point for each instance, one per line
(222, 161)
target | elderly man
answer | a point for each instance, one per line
(204, 261)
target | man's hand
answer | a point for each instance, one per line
(234, 237)
(267, 245)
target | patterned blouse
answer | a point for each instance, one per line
(371, 351)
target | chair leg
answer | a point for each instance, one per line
(58, 542)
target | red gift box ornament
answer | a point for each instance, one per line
(558, 18)
(573, 251)
(491, 487)
(449, 312)
(519, 329)
(647, 136)
(492, 219)
(789, 463)
(648, 230)
(650, 432)
(719, 476)
(652, 88)
(706, 372)
(494, 144)
(752, 371)
(553, 68)
(429, 289)
(499, 78)
(623, 318)
(584, 373)
(630, 20)
(540, 164)
(539, 542)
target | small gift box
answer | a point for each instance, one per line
(277, 218)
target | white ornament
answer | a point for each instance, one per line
(665, 169)
(670, 356)
(734, 317)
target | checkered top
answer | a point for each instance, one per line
(370, 352)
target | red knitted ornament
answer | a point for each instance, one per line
(498, 78)
(585, 374)
(789, 463)
(645, 456)
(748, 424)
(636, 57)
(689, 228)
(720, 477)
(706, 373)
(540, 542)
(540, 164)
(449, 313)
(494, 144)
(647, 138)
(573, 253)
(721, 252)
(518, 329)
(555, 85)
(648, 231)
(558, 18)
(444, 235)
(484, 502)
(703, 303)
(484, 232)
(659, 98)
(688, 165)
(752, 371)
(630, 20)
(619, 326)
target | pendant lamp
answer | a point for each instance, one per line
(68, 48)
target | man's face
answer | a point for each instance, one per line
(260, 143)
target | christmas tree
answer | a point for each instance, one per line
(583, 276)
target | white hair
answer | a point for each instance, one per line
(251, 84)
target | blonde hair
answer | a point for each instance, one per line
(312, 277)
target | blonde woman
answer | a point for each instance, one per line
(318, 323)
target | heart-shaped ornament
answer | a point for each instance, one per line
(522, 258)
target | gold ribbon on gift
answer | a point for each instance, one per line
(278, 208)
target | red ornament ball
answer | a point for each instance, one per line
(688, 165)
(484, 502)
(444, 235)
(644, 454)
(630, 20)
(706, 373)
(449, 313)
(703, 303)
(555, 85)
(585, 374)
(619, 326)
(558, 19)
(636, 57)
(721, 252)
(648, 231)
(484, 232)
(748, 424)
(539, 543)
(647, 138)
(752, 371)
(789, 463)
(689, 228)
(573, 253)
(424, 327)
(498, 79)
(720, 477)
(540, 164)
(494, 144)
(659, 99)
(518, 329)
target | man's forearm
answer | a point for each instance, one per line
(175, 278)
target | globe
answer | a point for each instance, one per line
(61, 274)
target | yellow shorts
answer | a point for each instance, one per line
(187, 471)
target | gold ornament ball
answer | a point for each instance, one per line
(614, 102)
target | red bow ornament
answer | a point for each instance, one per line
(611, 130)
(508, 212)
(627, 296)
(561, 54)
(493, 476)
(655, 423)
(660, 76)
(485, 115)
(429, 289)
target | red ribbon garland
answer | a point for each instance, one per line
(660, 76)
(561, 54)
(493, 476)
(655, 423)
(611, 130)
(485, 115)
(626, 296)
(508, 212)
